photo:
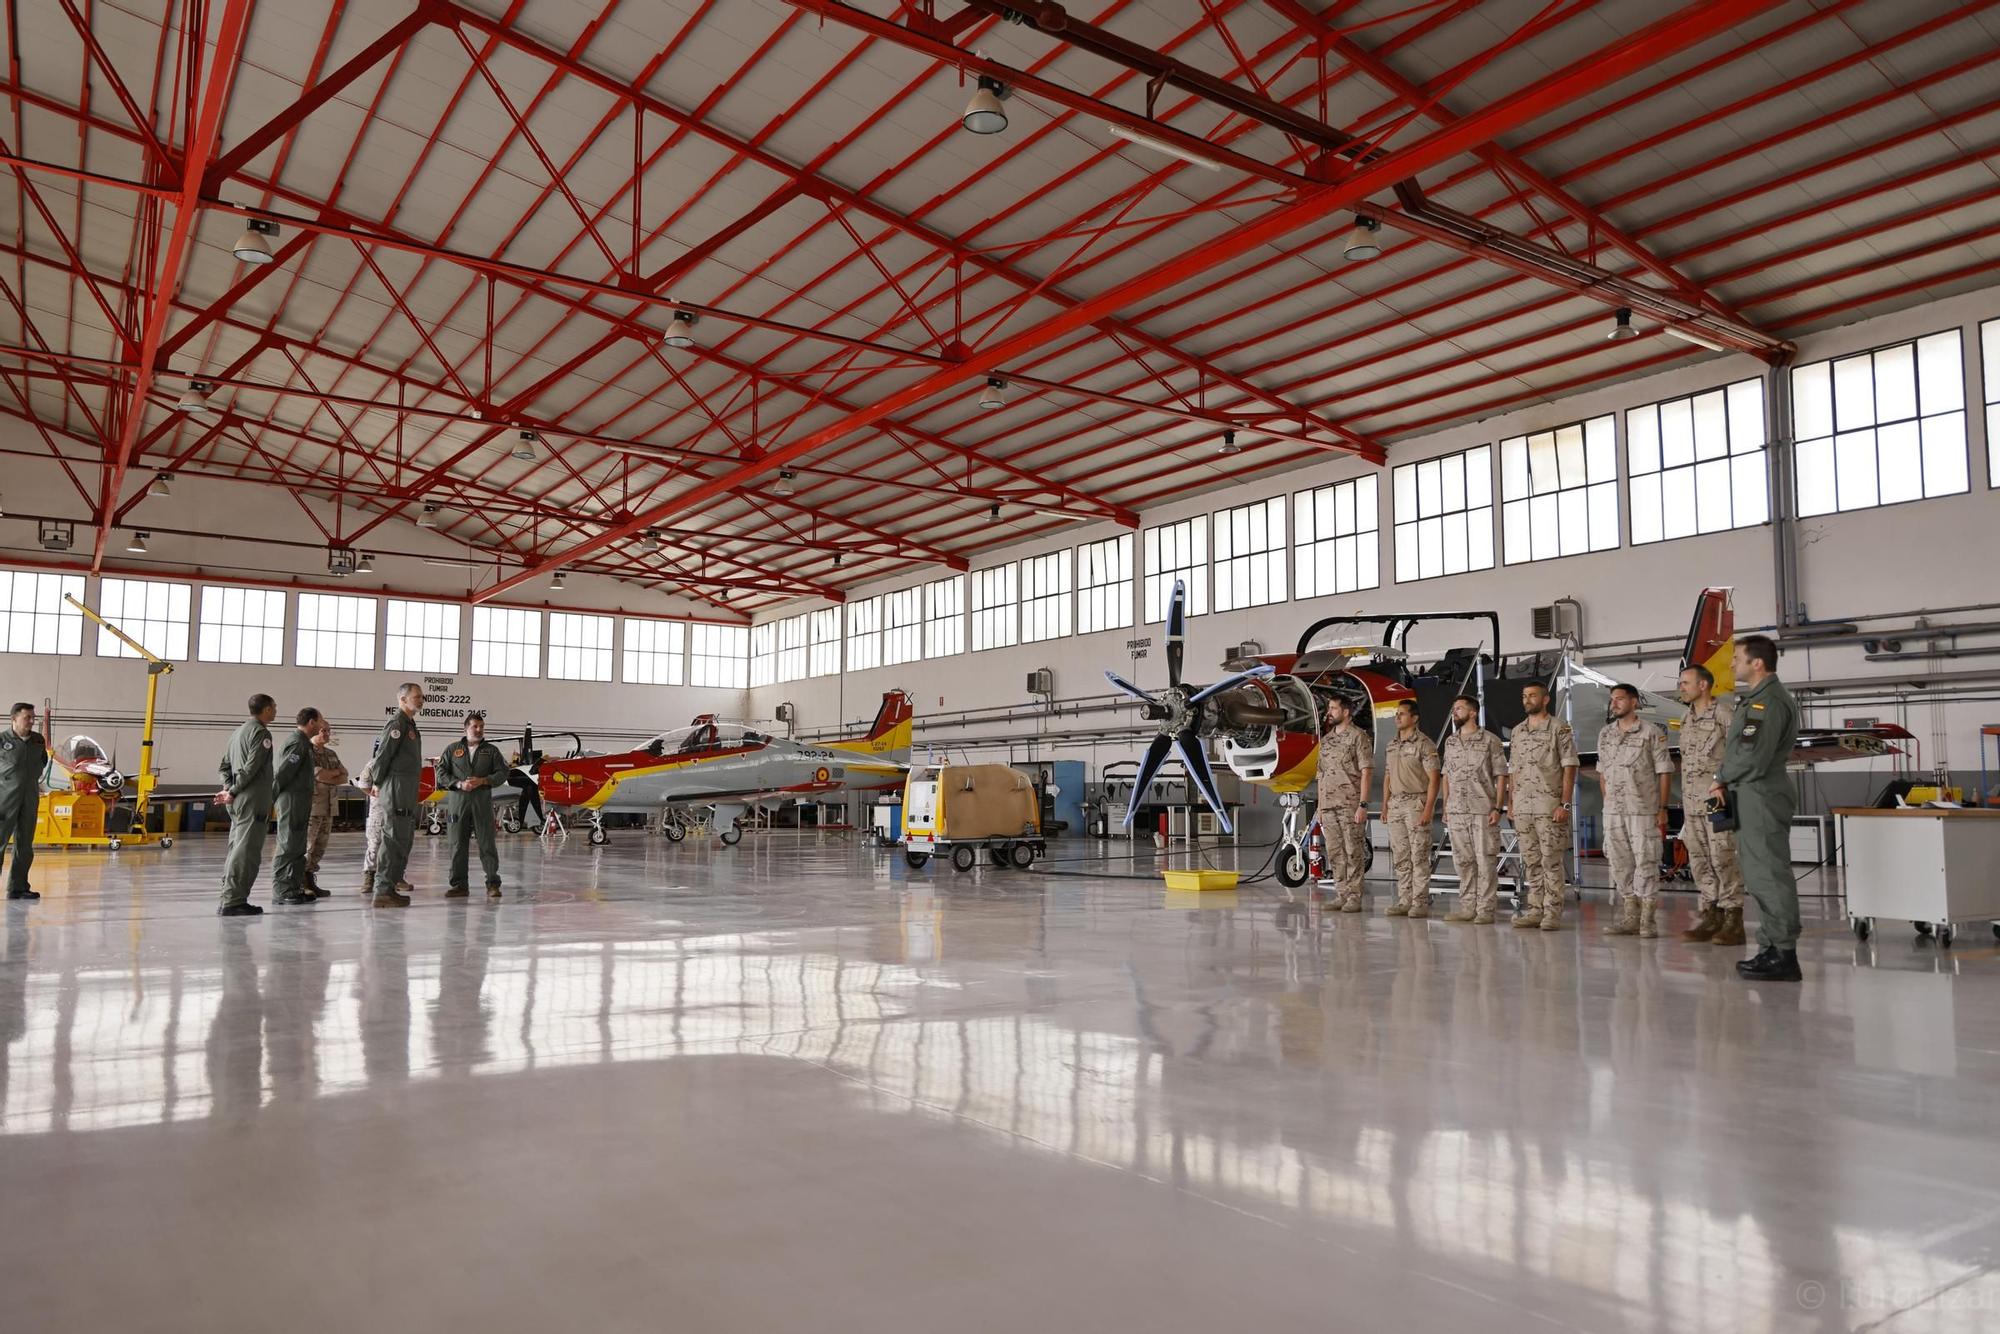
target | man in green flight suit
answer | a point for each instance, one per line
(247, 779)
(1752, 774)
(295, 779)
(24, 757)
(468, 769)
(398, 770)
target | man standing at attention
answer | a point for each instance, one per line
(246, 772)
(1346, 766)
(1409, 803)
(1541, 780)
(1475, 789)
(467, 770)
(1761, 737)
(293, 780)
(24, 757)
(398, 771)
(1711, 851)
(328, 774)
(1637, 771)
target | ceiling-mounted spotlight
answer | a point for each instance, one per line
(784, 485)
(995, 394)
(254, 246)
(163, 485)
(681, 332)
(137, 545)
(649, 541)
(1363, 241)
(194, 400)
(56, 535)
(524, 446)
(993, 515)
(1621, 327)
(556, 581)
(836, 559)
(984, 114)
(427, 517)
(340, 561)
(367, 565)
(1229, 445)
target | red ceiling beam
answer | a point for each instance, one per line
(1690, 25)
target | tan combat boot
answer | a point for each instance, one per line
(1626, 923)
(1649, 926)
(1731, 930)
(1706, 925)
(1482, 919)
(367, 884)
(1351, 904)
(1462, 913)
(1397, 909)
(1552, 918)
(391, 899)
(1420, 906)
(1528, 917)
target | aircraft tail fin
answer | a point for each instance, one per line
(1711, 640)
(889, 735)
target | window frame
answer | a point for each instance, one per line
(581, 653)
(1989, 380)
(110, 646)
(1113, 557)
(61, 616)
(864, 634)
(699, 676)
(1156, 576)
(1762, 453)
(1006, 612)
(639, 644)
(1305, 549)
(944, 617)
(903, 626)
(824, 633)
(372, 633)
(1275, 555)
(1397, 523)
(1800, 442)
(390, 607)
(508, 616)
(1526, 502)
(1059, 603)
(792, 635)
(763, 654)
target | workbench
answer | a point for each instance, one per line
(1930, 867)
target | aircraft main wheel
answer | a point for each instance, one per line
(1291, 868)
(116, 843)
(673, 832)
(598, 835)
(510, 824)
(731, 836)
(168, 843)
(1022, 855)
(916, 860)
(963, 856)
(997, 853)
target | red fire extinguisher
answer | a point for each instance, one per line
(1316, 852)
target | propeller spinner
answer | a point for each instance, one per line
(1182, 717)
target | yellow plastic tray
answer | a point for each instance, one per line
(1200, 880)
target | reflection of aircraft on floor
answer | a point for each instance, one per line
(729, 767)
(1266, 715)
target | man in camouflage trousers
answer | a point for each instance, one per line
(1541, 780)
(1711, 851)
(1409, 804)
(1346, 768)
(328, 774)
(371, 837)
(1475, 790)
(1636, 770)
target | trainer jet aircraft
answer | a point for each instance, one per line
(731, 768)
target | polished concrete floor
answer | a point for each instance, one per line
(796, 1086)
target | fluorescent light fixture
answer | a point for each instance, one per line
(1144, 140)
(1621, 328)
(984, 114)
(994, 395)
(1363, 239)
(194, 401)
(254, 246)
(1688, 335)
(681, 332)
(137, 544)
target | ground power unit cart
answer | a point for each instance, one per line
(957, 810)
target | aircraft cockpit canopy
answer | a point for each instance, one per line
(704, 739)
(82, 750)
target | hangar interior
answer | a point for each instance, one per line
(782, 422)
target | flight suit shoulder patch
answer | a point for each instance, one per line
(267, 743)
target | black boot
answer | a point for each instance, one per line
(1771, 964)
(239, 910)
(25, 895)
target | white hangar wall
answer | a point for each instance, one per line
(1896, 561)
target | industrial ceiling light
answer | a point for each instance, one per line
(163, 485)
(194, 400)
(340, 561)
(254, 246)
(427, 517)
(1362, 239)
(836, 560)
(1689, 335)
(995, 394)
(681, 332)
(649, 541)
(137, 545)
(784, 485)
(556, 581)
(993, 515)
(367, 565)
(524, 446)
(984, 114)
(1145, 140)
(1229, 445)
(1621, 329)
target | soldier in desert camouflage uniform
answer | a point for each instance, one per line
(1346, 766)
(1475, 789)
(1409, 804)
(1711, 852)
(1541, 778)
(1633, 764)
